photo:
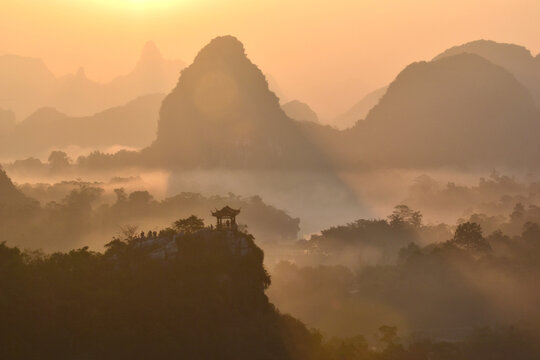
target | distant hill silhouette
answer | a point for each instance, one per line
(133, 125)
(222, 113)
(300, 111)
(516, 59)
(457, 110)
(152, 74)
(26, 84)
(359, 110)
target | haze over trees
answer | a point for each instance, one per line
(78, 213)
(442, 290)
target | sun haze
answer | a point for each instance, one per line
(327, 53)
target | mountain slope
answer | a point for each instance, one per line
(459, 110)
(516, 59)
(222, 113)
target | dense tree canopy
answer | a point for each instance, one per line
(206, 303)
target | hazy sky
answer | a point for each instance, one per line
(326, 53)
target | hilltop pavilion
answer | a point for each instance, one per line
(229, 215)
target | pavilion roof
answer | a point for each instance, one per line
(226, 212)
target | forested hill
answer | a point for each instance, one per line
(206, 303)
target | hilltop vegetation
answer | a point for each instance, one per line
(76, 213)
(206, 304)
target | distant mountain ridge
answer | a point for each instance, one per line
(26, 84)
(131, 125)
(515, 58)
(359, 110)
(300, 111)
(458, 110)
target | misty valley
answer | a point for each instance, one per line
(191, 211)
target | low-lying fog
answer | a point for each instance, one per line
(320, 200)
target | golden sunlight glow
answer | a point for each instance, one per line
(328, 54)
(127, 5)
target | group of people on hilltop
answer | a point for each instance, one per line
(150, 235)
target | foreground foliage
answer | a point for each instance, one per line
(207, 303)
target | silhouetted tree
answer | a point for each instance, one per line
(59, 160)
(402, 214)
(469, 236)
(190, 224)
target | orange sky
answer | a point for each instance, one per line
(326, 53)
